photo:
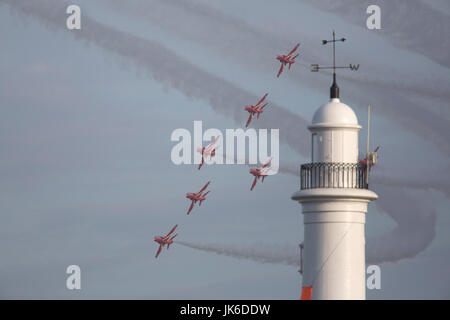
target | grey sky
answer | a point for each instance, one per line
(87, 177)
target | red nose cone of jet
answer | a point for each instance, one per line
(189, 195)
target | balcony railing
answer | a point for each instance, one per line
(333, 175)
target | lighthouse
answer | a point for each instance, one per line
(334, 195)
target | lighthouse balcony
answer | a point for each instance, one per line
(333, 175)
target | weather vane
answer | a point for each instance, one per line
(334, 90)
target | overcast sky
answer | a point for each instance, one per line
(86, 120)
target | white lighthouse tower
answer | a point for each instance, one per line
(334, 195)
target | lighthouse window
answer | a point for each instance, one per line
(314, 147)
(322, 147)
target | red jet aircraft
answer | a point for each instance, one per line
(162, 241)
(256, 109)
(194, 197)
(287, 59)
(207, 151)
(260, 172)
(372, 158)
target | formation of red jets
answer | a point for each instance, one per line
(210, 151)
(262, 172)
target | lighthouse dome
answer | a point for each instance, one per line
(336, 114)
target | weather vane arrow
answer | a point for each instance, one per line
(334, 90)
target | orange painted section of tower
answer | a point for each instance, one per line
(306, 293)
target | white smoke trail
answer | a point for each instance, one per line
(264, 253)
(416, 225)
(290, 254)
